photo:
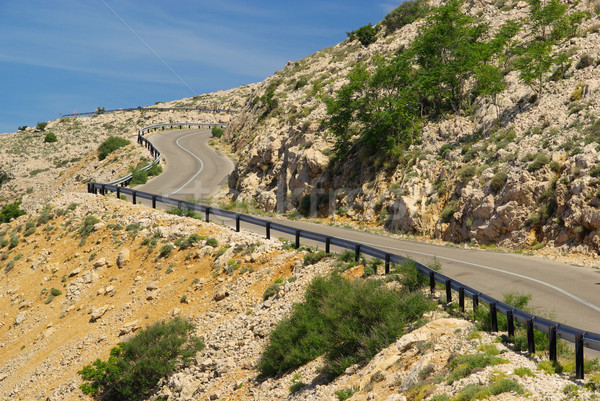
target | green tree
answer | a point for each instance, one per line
(50, 137)
(406, 13)
(534, 64)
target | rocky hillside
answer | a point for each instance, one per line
(38, 170)
(517, 169)
(87, 272)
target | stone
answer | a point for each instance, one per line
(221, 295)
(101, 262)
(75, 272)
(20, 318)
(99, 312)
(123, 258)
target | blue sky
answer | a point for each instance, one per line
(58, 56)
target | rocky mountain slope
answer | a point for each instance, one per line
(89, 271)
(518, 171)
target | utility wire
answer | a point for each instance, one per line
(149, 48)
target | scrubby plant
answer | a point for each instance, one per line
(498, 181)
(448, 211)
(110, 145)
(406, 13)
(541, 159)
(212, 242)
(314, 257)
(217, 132)
(50, 137)
(86, 228)
(365, 35)
(136, 365)
(10, 211)
(165, 251)
(463, 365)
(348, 321)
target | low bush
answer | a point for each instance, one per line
(463, 365)
(86, 228)
(212, 242)
(110, 145)
(136, 365)
(498, 181)
(165, 251)
(10, 211)
(50, 137)
(348, 321)
(541, 159)
(217, 132)
(365, 35)
(314, 257)
(407, 13)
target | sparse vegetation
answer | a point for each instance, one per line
(110, 145)
(348, 321)
(136, 365)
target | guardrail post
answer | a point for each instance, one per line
(475, 302)
(461, 298)
(297, 244)
(103, 190)
(530, 338)
(579, 356)
(356, 252)
(207, 215)
(134, 195)
(327, 244)
(494, 316)
(89, 186)
(268, 229)
(153, 201)
(432, 282)
(552, 343)
(448, 292)
(237, 222)
(387, 263)
(118, 192)
(510, 323)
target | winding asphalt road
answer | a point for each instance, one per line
(565, 293)
(194, 170)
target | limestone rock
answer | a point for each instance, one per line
(123, 258)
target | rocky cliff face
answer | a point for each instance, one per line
(518, 172)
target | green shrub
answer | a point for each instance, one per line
(463, 365)
(448, 211)
(14, 241)
(212, 242)
(86, 228)
(138, 177)
(466, 173)
(348, 321)
(521, 372)
(136, 365)
(29, 231)
(41, 126)
(541, 159)
(155, 170)
(217, 132)
(165, 251)
(297, 386)
(273, 288)
(110, 145)
(498, 181)
(50, 137)
(407, 13)
(56, 292)
(410, 277)
(314, 257)
(365, 35)
(10, 211)
(344, 393)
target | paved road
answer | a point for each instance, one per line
(565, 293)
(194, 170)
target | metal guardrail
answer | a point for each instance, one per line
(555, 330)
(97, 112)
(153, 151)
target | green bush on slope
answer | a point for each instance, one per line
(348, 321)
(135, 366)
(110, 145)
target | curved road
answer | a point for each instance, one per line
(565, 293)
(194, 170)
